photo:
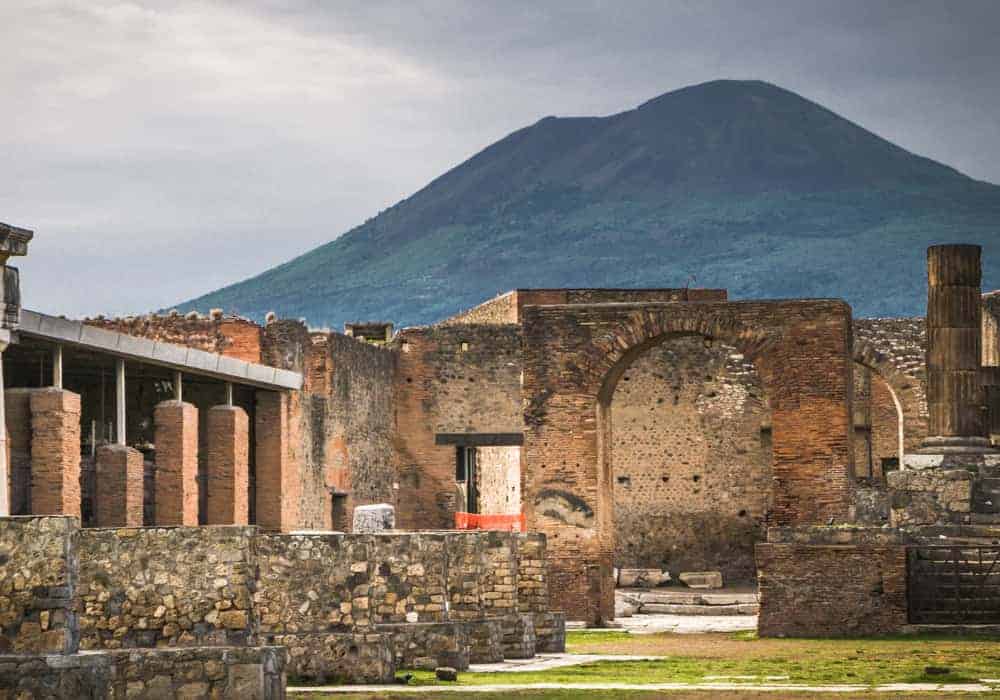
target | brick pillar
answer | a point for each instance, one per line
(118, 501)
(176, 463)
(277, 484)
(55, 452)
(227, 465)
(17, 405)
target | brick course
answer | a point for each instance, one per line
(831, 590)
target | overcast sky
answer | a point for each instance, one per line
(160, 150)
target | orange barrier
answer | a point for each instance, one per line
(480, 521)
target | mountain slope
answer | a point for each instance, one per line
(736, 184)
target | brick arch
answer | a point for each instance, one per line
(644, 330)
(906, 391)
(574, 355)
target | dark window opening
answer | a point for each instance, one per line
(338, 512)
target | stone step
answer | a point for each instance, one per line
(672, 609)
(685, 597)
(983, 518)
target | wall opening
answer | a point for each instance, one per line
(686, 435)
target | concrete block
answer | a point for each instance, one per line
(701, 579)
(374, 518)
(642, 578)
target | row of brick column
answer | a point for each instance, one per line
(120, 470)
(50, 435)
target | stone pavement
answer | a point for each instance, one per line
(544, 662)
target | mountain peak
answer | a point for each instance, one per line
(740, 182)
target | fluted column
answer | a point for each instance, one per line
(955, 398)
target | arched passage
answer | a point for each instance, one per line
(575, 356)
(690, 456)
(889, 412)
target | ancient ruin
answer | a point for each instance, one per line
(201, 505)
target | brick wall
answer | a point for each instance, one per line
(831, 590)
(576, 355)
(691, 465)
(455, 379)
(226, 335)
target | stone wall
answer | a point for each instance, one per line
(455, 379)
(831, 590)
(691, 460)
(313, 583)
(234, 673)
(147, 587)
(38, 559)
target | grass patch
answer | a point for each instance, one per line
(690, 658)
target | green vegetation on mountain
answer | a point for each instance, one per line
(735, 184)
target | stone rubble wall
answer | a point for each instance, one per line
(338, 657)
(222, 673)
(149, 587)
(930, 497)
(38, 561)
(347, 607)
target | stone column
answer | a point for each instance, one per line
(176, 440)
(55, 452)
(227, 465)
(277, 487)
(955, 398)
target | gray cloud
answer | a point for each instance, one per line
(163, 149)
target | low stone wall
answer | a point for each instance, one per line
(532, 585)
(359, 657)
(831, 590)
(201, 672)
(408, 578)
(519, 639)
(313, 583)
(38, 558)
(550, 632)
(930, 497)
(427, 645)
(485, 640)
(148, 587)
